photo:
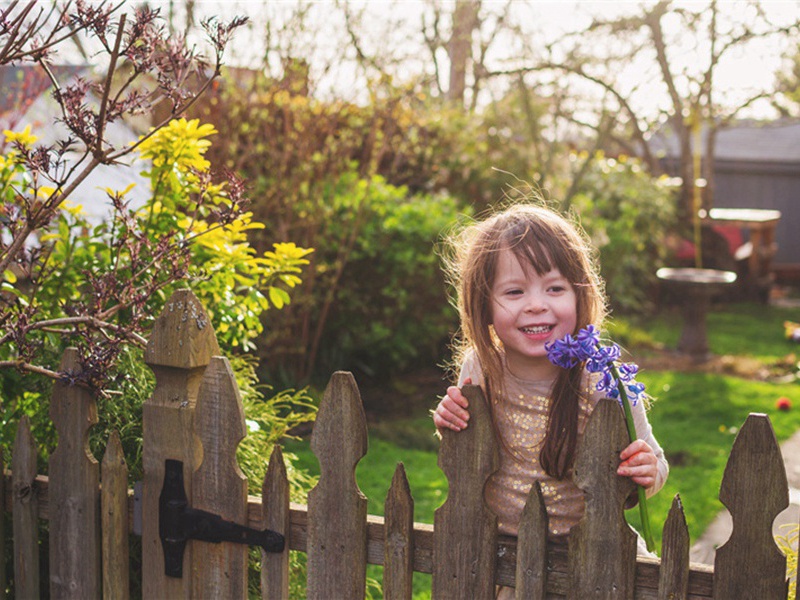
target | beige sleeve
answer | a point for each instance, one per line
(645, 432)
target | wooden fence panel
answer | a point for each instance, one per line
(275, 515)
(755, 490)
(531, 582)
(219, 570)
(398, 565)
(337, 510)
(465, 530)
(74, 489)
(25, 507)
(602, 547)
(673, 581)
(181, 345)
(114, 518)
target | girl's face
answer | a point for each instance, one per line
(529, 310)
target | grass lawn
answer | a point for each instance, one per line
(695, 417)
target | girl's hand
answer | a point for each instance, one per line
(451, 412)
(639, 462)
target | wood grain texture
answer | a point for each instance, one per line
(602, 546)
(219, 570)
(74, 490)
(531, 581)
(181, 345)
(25, 503)
(398, 563)
(465, 529)
(754, 489)
(337, 528)
(114, 519)
(276, 516)
(673, 581)
(3, 582)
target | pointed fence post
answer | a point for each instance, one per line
(25, 509)
(337, 510)
(2, 526)
(531, 581)
(464, 529)
(275, 516)
(398, 556)
(181, 345)
(602, 547)
(754, 489)
(74, 491)
(673, 580)
(114, 511)
(219, 570)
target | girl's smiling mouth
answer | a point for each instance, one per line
(537, 329)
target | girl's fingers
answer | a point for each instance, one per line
(639, 462)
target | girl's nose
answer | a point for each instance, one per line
(535, 304)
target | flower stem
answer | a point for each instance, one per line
(626, 407)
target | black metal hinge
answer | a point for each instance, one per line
(178, 523)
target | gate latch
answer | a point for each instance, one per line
(177, 523)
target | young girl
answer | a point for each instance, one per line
(525, 277)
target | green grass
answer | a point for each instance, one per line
(695, 417)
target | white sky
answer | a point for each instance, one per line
(393, 26)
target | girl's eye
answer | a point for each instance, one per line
(514, 292)
(557, 288)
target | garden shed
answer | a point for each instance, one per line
(26, 100)
(757, 166)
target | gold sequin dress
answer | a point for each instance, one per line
(521, 415)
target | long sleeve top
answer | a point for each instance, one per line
(521, 417)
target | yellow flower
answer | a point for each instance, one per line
(180, 143)
(24, 137)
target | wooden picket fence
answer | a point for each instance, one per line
(195, 417)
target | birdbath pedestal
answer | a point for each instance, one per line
(693, 289)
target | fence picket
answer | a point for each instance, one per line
(531, 580)
(398, 567)
(754, 489)
(275, 515)
(181, 345)
(2, 526)
(337, 510)
(219, 570)
(465, 530)
(74, 489)
(673, 580)
(25, 508)
(602, 547)
(114, 511)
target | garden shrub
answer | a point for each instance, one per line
(628, 216)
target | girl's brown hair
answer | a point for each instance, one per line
(544, 240)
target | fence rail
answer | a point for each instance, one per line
(195, 417)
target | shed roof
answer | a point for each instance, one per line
(773, 142)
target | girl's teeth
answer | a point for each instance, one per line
(533, 330)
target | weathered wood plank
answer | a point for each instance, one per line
(74, 489)
(465, 530)
(337, 528)
(647, 570)
(398, 569)
(181, 345)
(219, 570)
(114, 517)
(749, 564)
(531, 580)
(673, 583)
(602, 547)
(276, 516)
(3, 582)
(25, 513)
